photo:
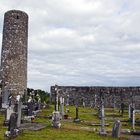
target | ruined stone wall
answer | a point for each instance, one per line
(14, 53)
(112, 95)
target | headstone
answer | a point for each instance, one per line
(12, 127)
(18, 110)
(133, 120)
(102, 130)
(62, 106)
(38, 102)
(8, 113)
(56, 119)
(122, 108)
(30, 108)
(116, 131)
(95, 100)
(84, 104)
(99, 112)
(132, 108)
(56, 115)
(67, 104)
(77, 115)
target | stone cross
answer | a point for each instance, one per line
(116, 131)
(102, 130)
(62, 105)
(133, 120)
(56, 98)
(67, 104)
(131, 107)
(56, 115)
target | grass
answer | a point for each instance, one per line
(70, 130)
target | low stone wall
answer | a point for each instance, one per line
(113, 96)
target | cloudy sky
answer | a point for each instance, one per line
(81, 42)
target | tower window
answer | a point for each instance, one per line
(17, 17)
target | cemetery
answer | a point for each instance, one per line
(67, 112)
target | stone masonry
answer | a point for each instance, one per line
(111, 95)
(14, 54)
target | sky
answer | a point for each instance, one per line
(80, 42)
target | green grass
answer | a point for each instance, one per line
(70, 130)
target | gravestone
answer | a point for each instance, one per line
(62, 106)
(8, 113)
(18, 107)
(132, 108)
(122, 108)
(12, 127)
(38, 102)
(67, 104)
(83, 102)
(102, 130)
(30, 106)
(116, 131)
(56, 119)
(99, 112)
(56, 115)
(77, 114)
(95, 100)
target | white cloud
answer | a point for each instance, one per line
(82, 42)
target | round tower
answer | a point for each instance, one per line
(14, 54)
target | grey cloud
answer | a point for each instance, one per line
(84, 42)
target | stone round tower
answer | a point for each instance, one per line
(14, 54)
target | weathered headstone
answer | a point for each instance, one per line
(18, 107)
(56, 119)
(62, 106)
(77, 114)
(12, 127)
(38, 102)
(30, 108)
(67, 104)
(56, 115)
(83, 102)
(102, 130)
(116, 131)
(95, 100)
(8, 113)
(122, 108)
